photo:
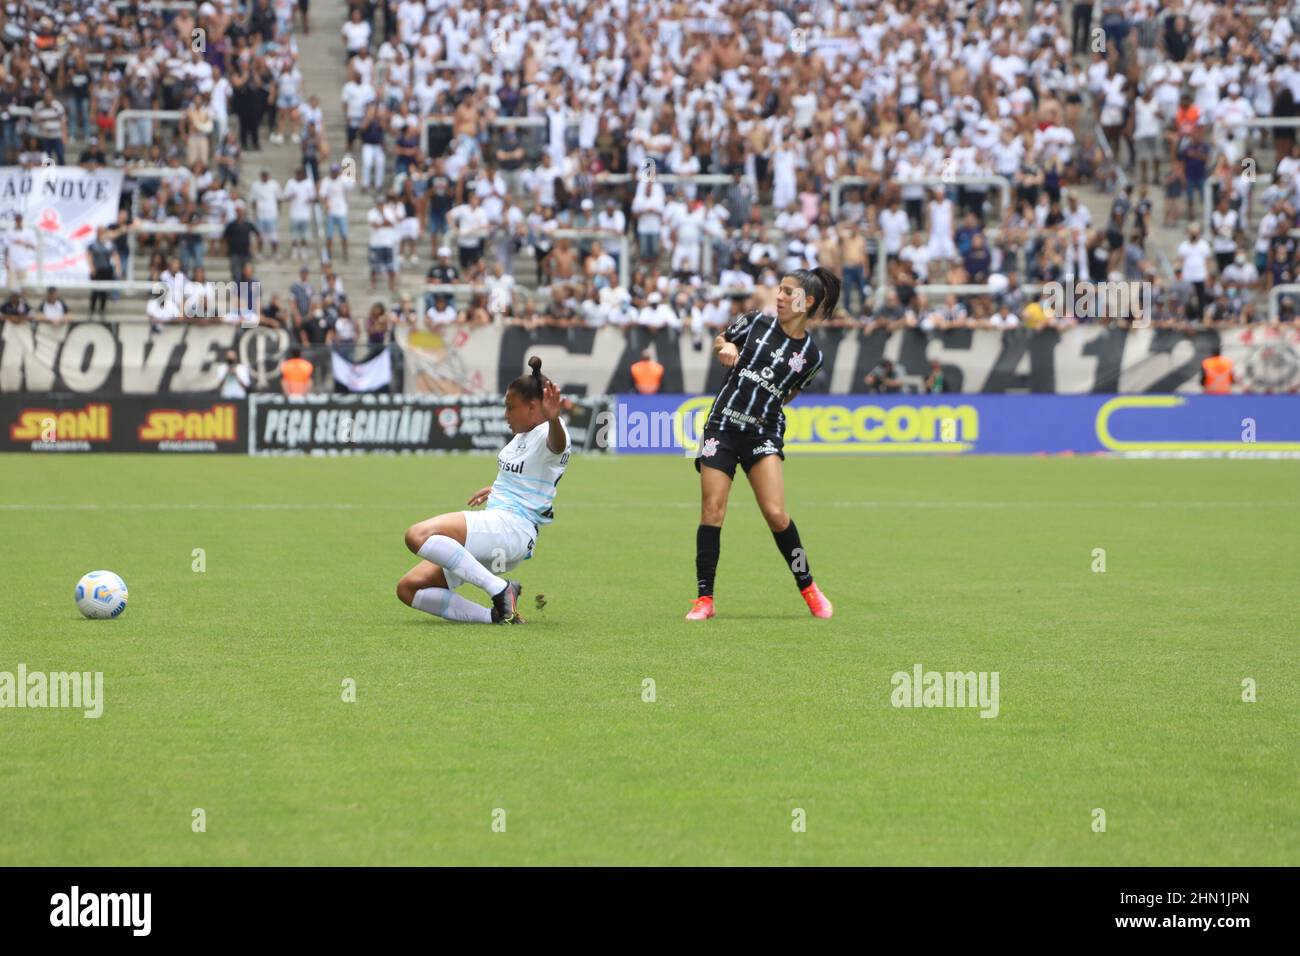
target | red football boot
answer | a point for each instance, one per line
(817, 602)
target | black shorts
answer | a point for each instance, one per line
(722, 449)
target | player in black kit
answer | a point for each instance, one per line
(772, 358)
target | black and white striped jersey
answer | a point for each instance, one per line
(771, 366)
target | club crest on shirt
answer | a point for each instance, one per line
(797, 362)
(710, 448)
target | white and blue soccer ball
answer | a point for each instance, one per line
(101, 595)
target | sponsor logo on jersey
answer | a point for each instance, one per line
(741, 417)
(759, 381)
(767, 373)
(514, 467)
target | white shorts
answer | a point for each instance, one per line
(686, 257)
(941, 247)
(409, 228)
(499, 539)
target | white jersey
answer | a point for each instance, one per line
(529, 472)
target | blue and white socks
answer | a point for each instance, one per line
(450, 606)
(451, 554)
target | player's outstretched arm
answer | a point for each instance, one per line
(556, 440)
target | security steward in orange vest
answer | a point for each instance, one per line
(647, 374)
(1216, 374)
(295, 373)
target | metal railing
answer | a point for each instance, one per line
(129, 287)
(847, 182)
(146, 172)
(624, 245)
(1207, 202)
(1275, 295)
(1112, 161)
(126, 116)
(501, 122)
(702, 179)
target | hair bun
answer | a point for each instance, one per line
(535, 364)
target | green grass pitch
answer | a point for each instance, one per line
(1119, 690)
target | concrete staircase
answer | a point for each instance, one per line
(322, 61)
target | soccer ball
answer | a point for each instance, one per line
(101, 594)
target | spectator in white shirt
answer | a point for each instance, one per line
(470, 222)
(1194, 254)
(163, 308)
(383, 239)
(600, 267)
(1148, 127)
(236, 377)
(648, 207)
(1229, 130)
(917, 256)
(357, 95)
(1240, 274)
(1077, 215)
(356, 34)
(657, 314)
(501, 291)
(333, 193)
(442, 312)
(54, 309)
(1223, 226)
(301, 194)
(266, 197)
(894, 227)
(1003, 318)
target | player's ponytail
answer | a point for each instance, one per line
(831, 297)
(822, 286)
(530, 386)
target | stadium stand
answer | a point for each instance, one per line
(658, 164)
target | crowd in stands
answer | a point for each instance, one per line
(911, 100)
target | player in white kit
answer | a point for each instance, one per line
(474, 547)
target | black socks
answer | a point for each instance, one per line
(795, 558)
(707, 545)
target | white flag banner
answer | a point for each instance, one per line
(62, 207)
(368, 376)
